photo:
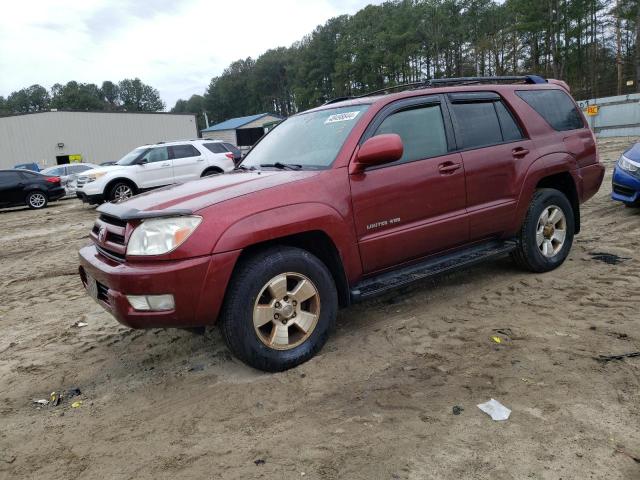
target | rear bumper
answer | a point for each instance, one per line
(197, 285)
(56, 193)
(625, 187)
(90, 199)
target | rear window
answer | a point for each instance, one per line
(555, 106)
(215, 147)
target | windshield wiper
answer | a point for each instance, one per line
(244, 167)
(282, 166)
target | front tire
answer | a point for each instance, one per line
(37, 200)
(546, 236)
(280, 307)
(120, 191)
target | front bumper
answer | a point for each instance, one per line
(625, 187)
(90, 199)
(197, 285)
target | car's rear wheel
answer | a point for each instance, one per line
(546, 235)
(37, 200)
(211, 171)
(280, 308)
(120, 191)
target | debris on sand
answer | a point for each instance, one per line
(79, 324)
(260, 461)
(608, 258)
(41, 401)
(457, 410)
(608, 358)
(495, 410)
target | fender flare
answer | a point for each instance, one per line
(284, 221)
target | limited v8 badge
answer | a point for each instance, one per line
(383, 223)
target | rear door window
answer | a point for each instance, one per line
(9, 178)
(215, 147)
(555, 106)
(477, 124)
(184, 151)
(421, 129)
(484, 123)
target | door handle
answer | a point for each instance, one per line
(201, 159)
(448, 168)
(519, 152)
(165, 165)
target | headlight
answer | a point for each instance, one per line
(628, 165)
(92, 177)
(156, 236)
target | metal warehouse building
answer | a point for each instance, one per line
(242, 131)
(56, 137)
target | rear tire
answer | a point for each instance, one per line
(280, 307)
(37, 200)
(546, 236)
(120, 191)
(210, 172)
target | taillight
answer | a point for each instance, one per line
(229, 156)
(53, 179)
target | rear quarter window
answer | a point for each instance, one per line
(555, 106)
(215, 147)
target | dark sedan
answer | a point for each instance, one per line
(24, 187)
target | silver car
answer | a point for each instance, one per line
(68, 174)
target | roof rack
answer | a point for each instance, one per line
(439, 82)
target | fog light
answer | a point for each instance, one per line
(147, 303)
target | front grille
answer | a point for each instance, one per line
(113, 220)
(109, 236)
(621, 190)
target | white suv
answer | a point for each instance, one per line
(152, 166)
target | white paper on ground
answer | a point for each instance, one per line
(495, 409)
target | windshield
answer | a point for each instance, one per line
(310, 140)
(132, 156)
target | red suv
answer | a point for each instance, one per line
(344, 202)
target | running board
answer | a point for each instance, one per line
(373, 286)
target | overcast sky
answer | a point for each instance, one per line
(174, 45)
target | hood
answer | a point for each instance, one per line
(107, 169)
(633, 153)
(187, 198)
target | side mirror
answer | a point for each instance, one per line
(378, 150)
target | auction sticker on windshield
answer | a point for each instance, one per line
(341, 117)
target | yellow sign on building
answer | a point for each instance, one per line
(592, 110)
(75, 158)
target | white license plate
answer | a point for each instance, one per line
(92, 287)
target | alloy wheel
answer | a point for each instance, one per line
(286, 311)
(122, 192)
(37, 200)
(551, 231)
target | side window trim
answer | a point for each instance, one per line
(492, 100)
(407, 104)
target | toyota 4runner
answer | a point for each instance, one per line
(344, 202)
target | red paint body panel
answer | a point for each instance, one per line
(377, 219)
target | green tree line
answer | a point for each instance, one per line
(130, 95)
(591, 44)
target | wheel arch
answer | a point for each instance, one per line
(111, 183)
(211, 169)
(564, 182)
(315, 227)
(317, 243)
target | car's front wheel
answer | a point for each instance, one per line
(546, 235)
(120, 191)
(280, 308)
(37, 200)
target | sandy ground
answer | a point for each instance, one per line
(376, 404)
